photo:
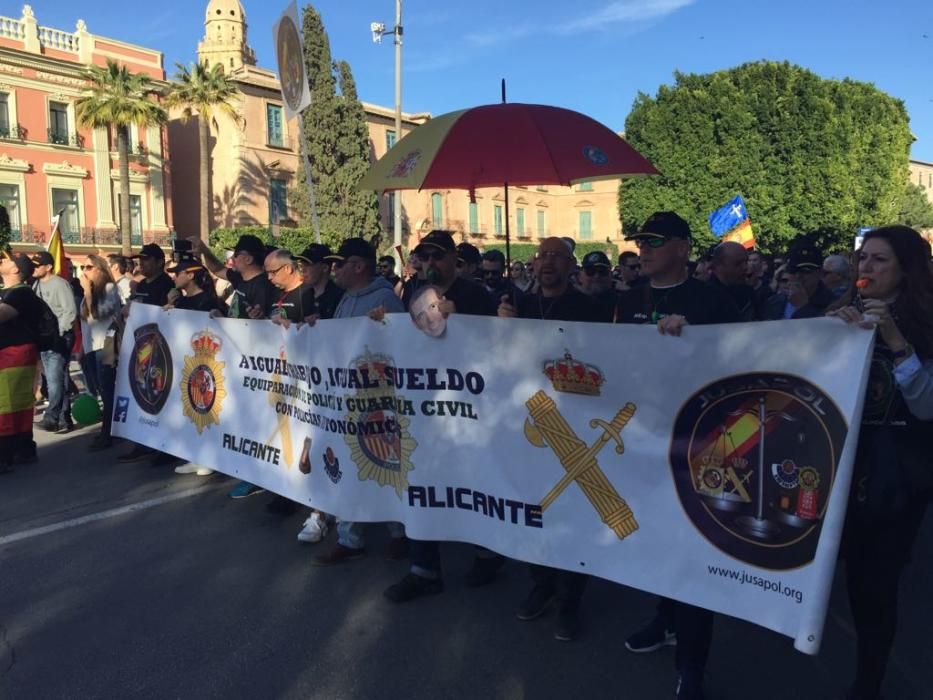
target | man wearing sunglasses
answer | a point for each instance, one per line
(253, 293)
(494, 279)
(438, 256)
(386, 267)
(469, 260)
(629, 271)
(673, 300)
(315, 270)
(730, 275)
(596, 281)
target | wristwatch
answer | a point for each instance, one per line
(903, 353)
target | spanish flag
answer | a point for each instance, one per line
(731, 223)
(57, 249)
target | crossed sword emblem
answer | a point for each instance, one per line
(548, 428)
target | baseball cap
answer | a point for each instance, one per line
(22, 261)
(663, 224)
(186, 265)
(804, 257)
(468, 253)
(596, 258)
(314, 253)
(150, 250)
(43, 257)
(353, 247)
(250, 244)
(442, 240)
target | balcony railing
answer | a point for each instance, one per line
(64, 138)
(89, 237)
(12, 132)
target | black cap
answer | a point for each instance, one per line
(354, 247)
(43, 257)
(596, 258)
(25, 266)
(186, 264)
(804, 257)
(663, 224)
(150, 250)
(468, 253)
(442, 240)
(251, 245)
(314, 253)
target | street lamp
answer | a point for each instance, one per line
(379, 30)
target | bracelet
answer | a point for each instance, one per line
(904, 352)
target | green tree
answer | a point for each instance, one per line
(336, 143)
(116, 98)
(6, 230)
(203, 92)
(915, 210)
(806, 153)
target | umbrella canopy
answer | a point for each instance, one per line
(514, 144)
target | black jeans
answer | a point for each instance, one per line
(694, 629)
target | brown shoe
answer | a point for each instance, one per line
(397, 548)
(337, 555)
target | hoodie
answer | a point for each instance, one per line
(377, 293)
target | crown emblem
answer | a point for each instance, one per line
(375, 365)
(574, 377)
(205, 343)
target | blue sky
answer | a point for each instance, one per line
(589, 55)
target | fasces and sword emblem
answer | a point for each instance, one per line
(546, 427)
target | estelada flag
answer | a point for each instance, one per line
(731, 223)
(56, 249)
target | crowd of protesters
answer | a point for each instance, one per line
(886, 285)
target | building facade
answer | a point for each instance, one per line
(49, 163)
(921, 174)
(254, 166)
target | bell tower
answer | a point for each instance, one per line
(224, 39)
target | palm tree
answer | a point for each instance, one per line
(117, 98)
(204, 92)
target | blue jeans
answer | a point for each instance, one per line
(107, 379)
(55, 366)
(353, 535)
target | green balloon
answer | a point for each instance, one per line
(85, 410)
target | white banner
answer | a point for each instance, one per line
(712, 468)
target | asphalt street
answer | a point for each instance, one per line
(194, 595)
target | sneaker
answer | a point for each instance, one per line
(413, 586)
(484, 571)
(651, 638)
(536, 603)
(47, 425)
(338, 555)
(137, 454)
(244, 489)
(187, 468)
(204, 471)
(281, 506)
(64, 428)
(568, 625)
(100, 442)
(314, 528)
(690, 685)
(397, 548)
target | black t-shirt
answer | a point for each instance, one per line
(410, 287)
(327, 302)
(295, 305)
(257, 291)
(23, 329)
(572, 305)
(697, 301)
(198, 302)
(155, 292)
(742, 296)
(470, 298)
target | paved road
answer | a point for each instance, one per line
(204, 597)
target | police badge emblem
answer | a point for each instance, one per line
(202, 382)
(150, 369)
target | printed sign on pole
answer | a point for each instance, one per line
(294, 81)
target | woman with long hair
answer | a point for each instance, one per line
(194, 287)
(893, 479)
(100, 308)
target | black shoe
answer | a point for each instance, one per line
(47, 425)
(536, 603)
(281, 506)
(690, 685)
(30, 457)
(164, 459)
(137, 454)
(484, 570)
(568, 625)
(64, 428)
(651, 638)
(101, 442)
(413, 586)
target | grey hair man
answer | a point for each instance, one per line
(836, 274)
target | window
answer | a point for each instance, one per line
(520, 220)
(390, 210)
(66, 202)
(4, 115)
(9, 198)
(437, 210)
(540, 223)
(541, 188)
(390, 139)
(274, 131)
(586, 225)
(474, 217)
(497, 219)
(58, 123)
(278, 202)
(585, 187)
(136, 214)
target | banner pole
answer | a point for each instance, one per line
(302, 150)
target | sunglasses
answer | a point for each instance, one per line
(783, 280)
(87, 267)
(654, 243)
(492, 273)
(592, 271)
(633, 267)
(435, 255)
